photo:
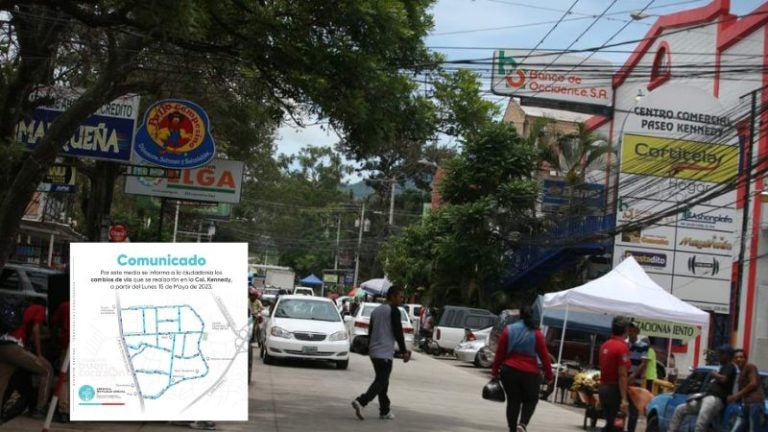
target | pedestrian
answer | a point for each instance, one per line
(614, 369)
(14, 355)
(638, 359)
(650, 371)
(384, 329)
(717, 391)
(256, 309)
(521, 346)
(750, 394)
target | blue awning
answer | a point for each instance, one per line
(311, 280)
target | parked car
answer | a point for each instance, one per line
(357, 326)
(475, 352)
(454, 319)
(413, 310)
(661, 407)
(304, 327)
(21, 284)
(300, 290)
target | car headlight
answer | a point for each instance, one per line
(281, 333)
(338, 336)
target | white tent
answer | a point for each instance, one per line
(626, 290)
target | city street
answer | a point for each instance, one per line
(427, 394)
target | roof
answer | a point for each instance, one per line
(555, 114)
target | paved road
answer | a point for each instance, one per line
(427, 395)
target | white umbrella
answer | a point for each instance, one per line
(376, 287)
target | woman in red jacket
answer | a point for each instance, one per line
(521, 345)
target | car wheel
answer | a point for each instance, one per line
(653, 423)
(268, 359)
(342, 364)
(481, 360)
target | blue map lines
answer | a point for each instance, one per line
(164, 346)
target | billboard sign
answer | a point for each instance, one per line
(59, 178)
(175, 134)
(107, 134)
(219, 181)
(566, 80)
(676, 147)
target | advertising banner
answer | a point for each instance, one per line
(219, 181)
(549, 76)
(60, 178)
(664, 329)
(676, 146)
(107, 134)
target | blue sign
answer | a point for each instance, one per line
(175, 134)
(558, 193)
(98, 137)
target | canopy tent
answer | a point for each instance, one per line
(580, 321)
(311, 280)
(376, 287)
(626, 290)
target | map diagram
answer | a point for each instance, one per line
(164, 346)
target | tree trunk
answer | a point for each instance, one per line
(100, 195)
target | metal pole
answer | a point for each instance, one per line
(560, 352)
(176, 222)
(392, 205)
(338, 237)
(745, 215)
(359, 244)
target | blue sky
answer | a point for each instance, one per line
(471, 29)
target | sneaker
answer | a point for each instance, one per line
(389, 416)
(203, 425)
(521, 428)
(358, 409)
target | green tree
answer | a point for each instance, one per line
(348, 62)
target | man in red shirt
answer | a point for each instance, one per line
(614, 367)
(13, 355)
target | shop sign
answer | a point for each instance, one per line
(175, 134)
(666, 329)
(60, 178)
(107, 134)
(219, 181)
(567, 80)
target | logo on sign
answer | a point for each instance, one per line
(175, 134)
(718, 243)
(86, 393)
(705, 217)
(637, 237)
(118, 233)
(513, 75)
(647, 258)
(709, 267)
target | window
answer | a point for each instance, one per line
(661, 70)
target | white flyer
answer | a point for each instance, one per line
(159, 331)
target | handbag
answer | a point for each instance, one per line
(493, 391)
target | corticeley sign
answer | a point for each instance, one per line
(565, 81)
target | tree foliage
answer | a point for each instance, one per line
(344, 61)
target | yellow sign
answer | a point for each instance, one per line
(669, 157)
(667, 329)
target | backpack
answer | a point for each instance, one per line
(11, 317)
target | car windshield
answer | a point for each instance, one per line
(307, 310)
(368, 309)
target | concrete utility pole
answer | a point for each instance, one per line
(359, 243)
(338, 237)
(392, 204)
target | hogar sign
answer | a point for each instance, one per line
(106, 135)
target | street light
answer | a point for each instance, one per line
(638, 15)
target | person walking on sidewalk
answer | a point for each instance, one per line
(384, 330)
(614, 367)
(521, 345)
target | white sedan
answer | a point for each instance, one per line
(357, 326)
(304, 327)
(474, 351)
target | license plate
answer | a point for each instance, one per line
(309, 349)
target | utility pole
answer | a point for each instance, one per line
(392, 205)
(176, 222)
(338, 237)
(359, 243)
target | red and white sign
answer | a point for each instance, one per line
(118, 233)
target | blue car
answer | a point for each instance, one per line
(661, 408)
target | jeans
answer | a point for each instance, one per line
(707, 408)
(522, 391)
(380, 385)
(610, 399)
(752, 419)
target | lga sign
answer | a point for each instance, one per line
(219, 181)
(106, 134)
(553, 80)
